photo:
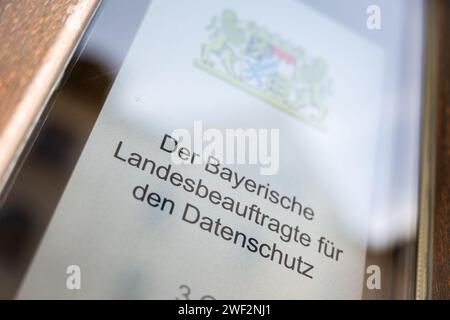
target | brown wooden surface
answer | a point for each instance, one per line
(37, 37)
(441, 225)
(28, 29)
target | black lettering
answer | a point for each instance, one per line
(116, 153)
(140, 192)
(191, 208)
(168, 148)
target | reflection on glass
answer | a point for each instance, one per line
(346, 102)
